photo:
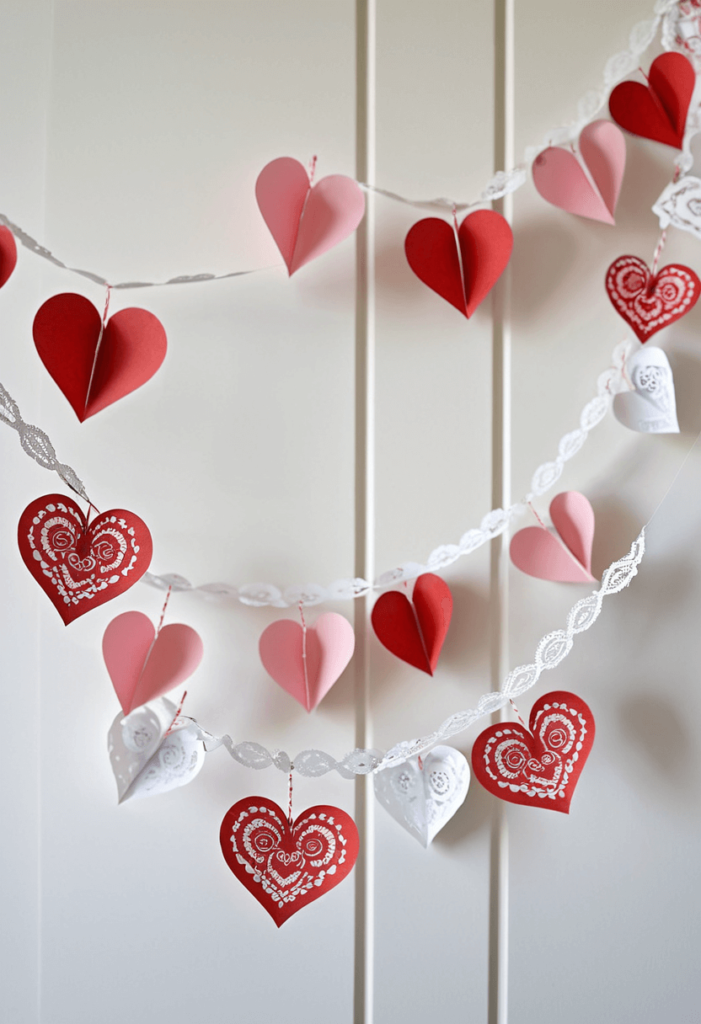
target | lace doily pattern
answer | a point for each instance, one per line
(550, 652)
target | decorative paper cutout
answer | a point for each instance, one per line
(647, 303)
(307, 661)
(561, 180)
(78, 566)
(94, 368)
(424, 799)
(144, 664)
(657, 110)
(287, 866)
(680, 205)
(652, 407)
(306, 221)
(415, 634)
(565, 558)
(539, 768)
(463, 269)
(8, 255)
(145, 761)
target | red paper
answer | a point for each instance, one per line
(415, 634)
(647, 303)
(8, 255)
(307, 664)
(287, 866)
(91, 375)
(565, 558)
(81, 566)
(462, 270)
(144, 665)
(539, 768)
(657, 110)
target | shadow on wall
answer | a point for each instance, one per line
(472, 818)
(686, 369)
(616, 529)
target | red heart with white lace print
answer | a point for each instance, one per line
(287, 865)
(539, 767)
(650, 302)
(81, 566)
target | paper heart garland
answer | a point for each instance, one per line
(144, 664)
(423, 795)
(565, 558)
(307, 661)
(648, 303)
(91, 370)
(8, 255)
(306, 221)
(680, 205)
(540, 767)
(657, 110)
(81, 566)
(652, 407)
(415, 634)
(561, 180)
(145, 761)
(463, 269)
(286, 865)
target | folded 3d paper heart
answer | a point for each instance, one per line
(564, 557)
(652, 407)
(648, 302)
(461, 266)
(81, 566)
(590, 188)
(679, 204)
(306, 220)
(144, 664)
(415, 632)
(8, 255)
(539, 766)
(91, 366)
(657, 110)
(307, 661)
(287, 865)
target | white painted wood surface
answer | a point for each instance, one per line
(132, 136)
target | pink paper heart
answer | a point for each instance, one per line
(561, 180)
(564, 559)
(307, 664)
(306, 221)
(143, 666)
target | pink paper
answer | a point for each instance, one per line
(328, 647)
(143, 666)
(565, 558)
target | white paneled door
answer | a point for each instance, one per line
(335, 425)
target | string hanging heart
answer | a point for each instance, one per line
(652, 407)
(539, 766)
(96, 364)
(307, 660)
(287, 865)
(590, 188)
(415, 633)
(143, 663)
(657, 110)
(81, 566)
(646, 301)
(306, 220)
(461, 265)
(565, 558)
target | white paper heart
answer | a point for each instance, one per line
(652, 407)
(680, 205)
(145, 761)
(424, 800)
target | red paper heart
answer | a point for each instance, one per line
(539, 768)
(647, 303)
(8, 255)
(81, 566)
(416, 635)
(287, 866)
(94, 372)
(462, 270)
(657, 110)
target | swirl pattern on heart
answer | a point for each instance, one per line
(650, 302)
